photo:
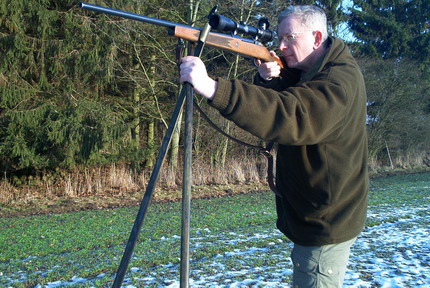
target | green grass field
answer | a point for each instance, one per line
(84, 248)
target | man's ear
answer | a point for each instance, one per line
(318, 39)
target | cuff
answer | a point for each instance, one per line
(221, 98)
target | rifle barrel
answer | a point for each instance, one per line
(128, 15)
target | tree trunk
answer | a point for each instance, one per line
(151, 124)
(174, 146)
(150, 135)
(135, 127)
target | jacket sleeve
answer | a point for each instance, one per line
(309, 113)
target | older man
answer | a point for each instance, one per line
(316, 113)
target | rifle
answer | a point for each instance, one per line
(233, 43)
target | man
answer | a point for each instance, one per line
(316, 113)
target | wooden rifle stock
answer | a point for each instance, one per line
(235, 44)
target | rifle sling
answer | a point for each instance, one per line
(265, 151)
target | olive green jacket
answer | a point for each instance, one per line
(318, 119)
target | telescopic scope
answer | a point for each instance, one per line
(222, 23)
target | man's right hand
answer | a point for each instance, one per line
(269, 70)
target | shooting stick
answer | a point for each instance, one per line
(187, 179)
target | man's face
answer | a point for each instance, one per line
(296, 43)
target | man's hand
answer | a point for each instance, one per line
(269, 70)
(193, 71)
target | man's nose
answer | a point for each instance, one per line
(282, 46)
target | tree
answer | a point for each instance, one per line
(48, 73)
(144, 65)
(396, 103)
(335, 14)
(393, 29)
(77, 86)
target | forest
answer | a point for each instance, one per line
(86, 98)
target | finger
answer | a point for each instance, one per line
(274, 55)
(187, 59)
(270, 70)
(184, 77)
(270, 65)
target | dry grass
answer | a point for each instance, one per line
(7, 192)
(412, 160)
(116, 185)
(119, 181)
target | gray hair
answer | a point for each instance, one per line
(311, 17)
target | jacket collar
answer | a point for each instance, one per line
(335, 47)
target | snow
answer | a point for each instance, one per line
(395, 253)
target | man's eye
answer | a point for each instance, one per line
(289, 38)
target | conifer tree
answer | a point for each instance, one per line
(393, 29)
(55, 75)
(335, 14)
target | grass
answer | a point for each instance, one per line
(397, 190)
(89, 244)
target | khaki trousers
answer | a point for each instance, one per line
(320, 266)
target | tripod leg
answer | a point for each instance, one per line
(149, 191)
(186, 189)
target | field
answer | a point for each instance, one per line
(234, 243)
